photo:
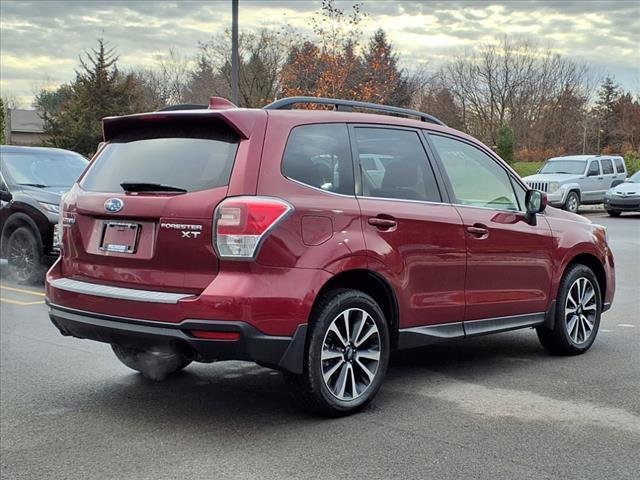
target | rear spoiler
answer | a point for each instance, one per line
(241, 120)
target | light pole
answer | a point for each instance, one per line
(234, 51)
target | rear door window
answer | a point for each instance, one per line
(607, 166)
(395, 165)
(188, 154)
(594, 168)
(320, 156)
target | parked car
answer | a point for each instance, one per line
(32, 179)
(571, 181)
(259, 234)
(624, 197)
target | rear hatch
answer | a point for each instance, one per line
(142, 213)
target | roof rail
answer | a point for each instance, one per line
(184, 106)
(349, 105)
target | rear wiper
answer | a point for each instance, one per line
(37, 185)
(150, 187)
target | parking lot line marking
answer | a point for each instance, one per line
(21, 290)
(18, 302)
(626, 325)
(605, 330)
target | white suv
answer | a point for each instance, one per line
(570, 181)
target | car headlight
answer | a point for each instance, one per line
(553, 187)
(50, 207)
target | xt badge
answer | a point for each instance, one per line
(186, 230)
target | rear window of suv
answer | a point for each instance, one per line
(189, 154)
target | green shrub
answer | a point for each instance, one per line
(506, 144)
(632, 160)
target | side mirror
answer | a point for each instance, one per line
(535, 202)
(5, 196)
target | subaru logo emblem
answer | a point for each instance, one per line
(113, 205)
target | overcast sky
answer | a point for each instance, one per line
(41, 40)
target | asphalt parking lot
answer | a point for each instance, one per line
(496, 407)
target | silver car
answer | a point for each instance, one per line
(573, 180)
(624, 197)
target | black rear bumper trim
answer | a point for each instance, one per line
(253, 345)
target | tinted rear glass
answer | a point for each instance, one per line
(189, 154)
(619, 165)
(607, 166)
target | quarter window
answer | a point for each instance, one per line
(607, 166)
(619, 165)
(395, 165)
(476, 178)
(320, 156)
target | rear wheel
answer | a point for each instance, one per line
(153, 364)
(572, 203)
(578, 309)
(614, 213)
(24, 256)
(346, 355)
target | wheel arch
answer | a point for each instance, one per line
(594, 263)
(374, 285)
(14, 222)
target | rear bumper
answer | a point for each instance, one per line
(285, 353)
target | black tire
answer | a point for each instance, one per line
(572, 203)
(24, 256)
(309, 389)
(153, 364)
(614, 213)
(558, 340)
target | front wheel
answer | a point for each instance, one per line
(614, 213)
(346, 356)
(572, 203)
(153, 364)
(578, 308)
(24, 257)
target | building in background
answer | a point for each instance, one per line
(23, 127)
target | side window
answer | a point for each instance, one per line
(619, 165)
(476, 178)
(395, 165)
(320, 156)
(594, 169)
(607, 166)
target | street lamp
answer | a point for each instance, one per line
(234, 51)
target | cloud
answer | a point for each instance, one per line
(45, 38)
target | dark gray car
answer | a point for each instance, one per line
(624, 197)
(32, 180)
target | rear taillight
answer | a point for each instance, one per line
(241, 223)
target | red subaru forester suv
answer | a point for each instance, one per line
(315, 242)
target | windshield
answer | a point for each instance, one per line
(575, 167)
(635, 178)
(43, 168)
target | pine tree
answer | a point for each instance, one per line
(99, 90)
(506, 143)
(608, 97)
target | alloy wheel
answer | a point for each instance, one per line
(580, 310)
(350, 354)
(21, 258)
(572, 204)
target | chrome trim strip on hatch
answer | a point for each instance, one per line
(120, 293)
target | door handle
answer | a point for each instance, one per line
(382, 223)
(478, 230)
(600, 178)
